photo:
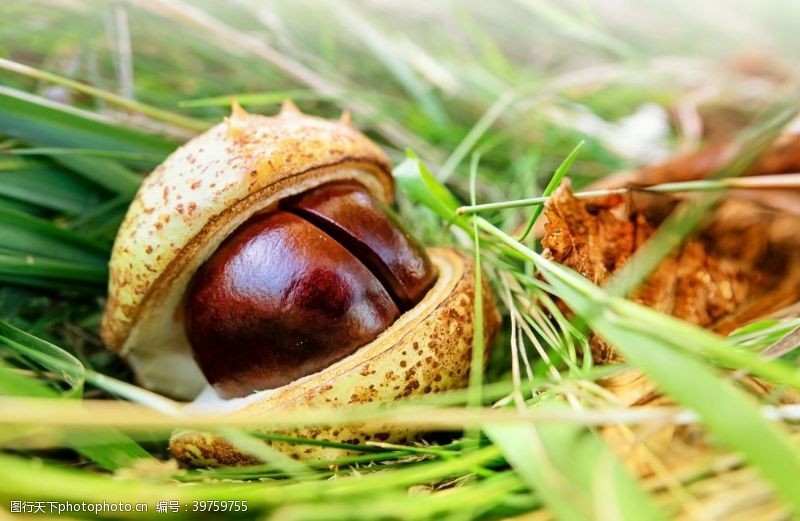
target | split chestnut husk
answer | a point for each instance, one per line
(260, 270)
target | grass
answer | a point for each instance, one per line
(483, 118)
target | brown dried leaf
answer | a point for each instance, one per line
(744, 264)
(781, 157)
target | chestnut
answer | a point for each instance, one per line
(283, 298)
(260, 269)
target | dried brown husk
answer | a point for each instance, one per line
(744, 264)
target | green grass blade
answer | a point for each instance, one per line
(554, 182)
(49, 356)
(46, 123)
(32, 236)
(476, 132)
(39, 183)
(420, 184)
(106, 447)
(15, 205)
(598, 488)
(49, 285)
(476, 368)
(78, 486)
(105, 172)
(47, 270)
(144, 157)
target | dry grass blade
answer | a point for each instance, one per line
(88, 413)
(120, 101)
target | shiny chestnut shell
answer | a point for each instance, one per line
(278, 302)
(294, 290)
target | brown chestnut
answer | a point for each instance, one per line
(292, 291)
